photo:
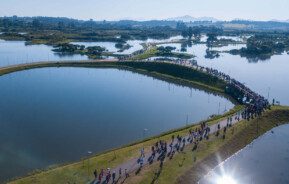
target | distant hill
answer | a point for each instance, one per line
(188, 18)
(276, 20)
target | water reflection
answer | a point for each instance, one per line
(265, 161)
(225, 180)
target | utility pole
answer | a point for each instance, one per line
(88, 164)
(144, 131)
(268, 93)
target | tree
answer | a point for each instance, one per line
(190, 33)
(60, 25)
(95, 50)
(166, 50)
(36, 23)
(181, 26)
(212, 37)
(196, 32)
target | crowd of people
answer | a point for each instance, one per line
(255, 103)
(162, 150)
(106, 176)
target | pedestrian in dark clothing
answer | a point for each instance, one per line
(95, 174)
(113, 177)
(119, 173)
(126, 173)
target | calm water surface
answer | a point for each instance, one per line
(265, 161)
(56, 115)
(16, 52)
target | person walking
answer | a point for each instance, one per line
(95, 174)
(113, 177)
(108, 175)
(100, 176)
(126, 173)
(142, 154)
(119, 172)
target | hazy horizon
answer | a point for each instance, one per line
(148, 10)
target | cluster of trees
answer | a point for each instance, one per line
(211, 54)
(95, 51)
(68, 48)
(165, 50)
(122, 46)
(168, 52)
(263, 46)
(79, 49)
(191, 31)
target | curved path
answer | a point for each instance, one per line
(43, 64)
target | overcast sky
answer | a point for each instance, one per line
(148, 9)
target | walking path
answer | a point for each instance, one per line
(132, 165)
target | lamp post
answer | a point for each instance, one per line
(88, 164)
(144, 131)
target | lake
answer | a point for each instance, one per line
(55, 115)
(265, 161)
(16, 52)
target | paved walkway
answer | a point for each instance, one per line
(132, 165)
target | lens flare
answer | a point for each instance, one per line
(226, 180)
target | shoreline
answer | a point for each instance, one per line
(162, 71)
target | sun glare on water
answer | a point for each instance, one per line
(226, 180)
